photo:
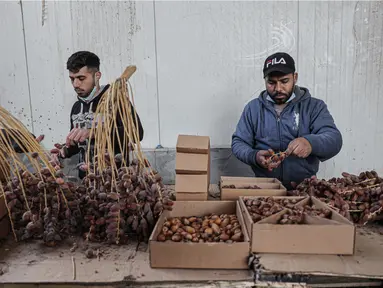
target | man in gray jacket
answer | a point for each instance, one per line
(285, 118)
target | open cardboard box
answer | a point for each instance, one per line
(193, 144)
(191, 187)
(315, 236)
(199, 255)
(268, 187)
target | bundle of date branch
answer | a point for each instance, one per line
(121, 195)
(357, 197)
(36, 197)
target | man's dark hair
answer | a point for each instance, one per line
(83, 58)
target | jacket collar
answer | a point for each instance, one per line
(93, 95)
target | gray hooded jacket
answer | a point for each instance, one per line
(260, 128)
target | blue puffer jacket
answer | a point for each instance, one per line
(260, 128)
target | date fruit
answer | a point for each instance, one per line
(209, 228)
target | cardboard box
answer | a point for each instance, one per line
(199, 255)
(192, 163)
(316, 236)
(268, 187)
(193, 144)
(191, 187)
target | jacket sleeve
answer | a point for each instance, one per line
(243, 139)
(120, 127)
(325, 138)
(12, 136)
(73, 149)
(138, 122)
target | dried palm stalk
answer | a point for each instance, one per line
(122, 196)
(35, 196)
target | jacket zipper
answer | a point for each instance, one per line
(278, 118)
(280, 143)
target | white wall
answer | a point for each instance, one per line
(198, 64)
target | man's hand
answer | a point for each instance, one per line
(57, 154)
(77, 135)
(299, 147)
(261, 159)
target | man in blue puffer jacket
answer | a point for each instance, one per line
(285, 118)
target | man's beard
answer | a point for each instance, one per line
(81, 93)
(280, 98)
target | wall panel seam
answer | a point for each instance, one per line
(157, 84)
(26, 65)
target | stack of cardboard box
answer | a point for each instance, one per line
(192, 167)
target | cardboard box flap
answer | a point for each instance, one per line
(241, 221)
(316, 220)
(271, 219)
(366, 263)
(334, 214)
(307, 220)
(193, 144)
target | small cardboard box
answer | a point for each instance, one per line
(315, 236)
(192, 163)
(199, 255)
(233, 187)
(193, 144)
(191, 187)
